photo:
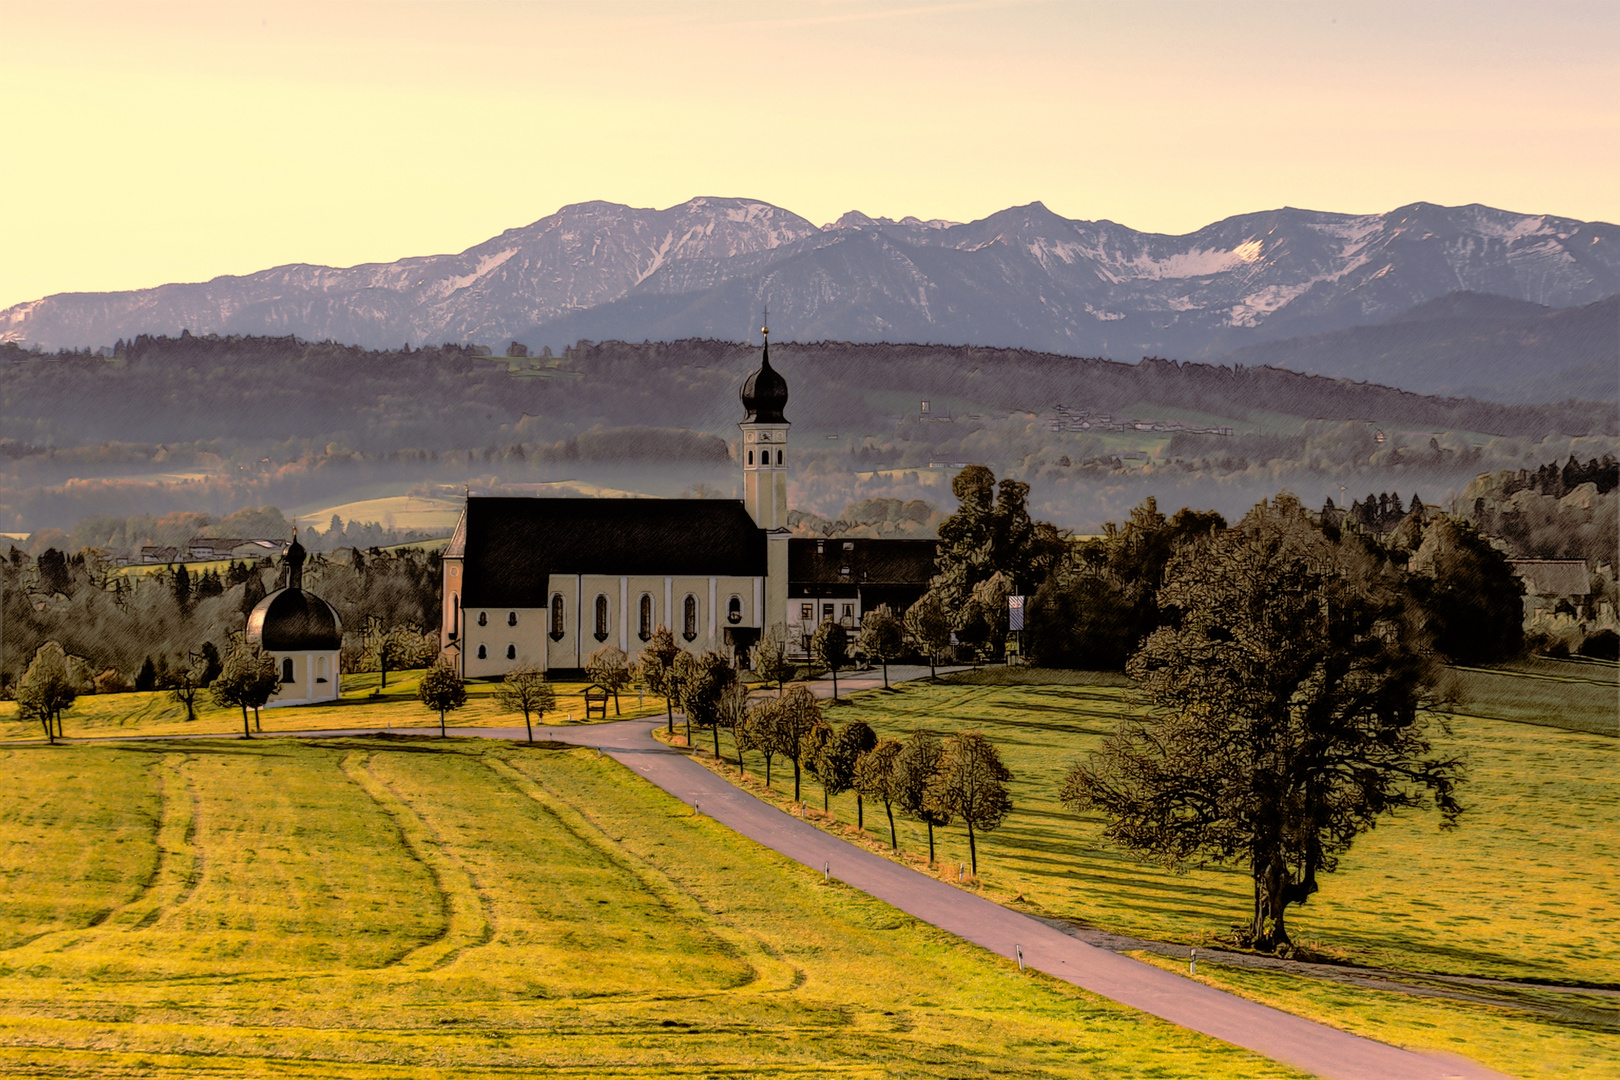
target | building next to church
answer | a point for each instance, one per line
(546, 582)
(305, 635)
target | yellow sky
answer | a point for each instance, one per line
(152, 143)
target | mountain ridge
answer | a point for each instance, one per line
(1022, 277)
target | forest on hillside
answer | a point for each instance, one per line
(214, 424)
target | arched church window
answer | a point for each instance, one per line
(779, 457)
(689, 618)
(511, 652)
(601, 617)
(645, 632)
(483, 618)
(511, 618)
(286, 669)
(483, 652)
(734, 610)
(557, 617)
(750, 457)
(320, 669)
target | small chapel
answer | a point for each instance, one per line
(304, 633)
(545, 582)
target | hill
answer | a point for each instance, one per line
(215, 424)
(1023, 277)
(1471, 345)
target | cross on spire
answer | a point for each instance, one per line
(766, 329)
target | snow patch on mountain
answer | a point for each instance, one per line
(483, 266)
(1195, 263)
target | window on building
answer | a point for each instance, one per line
(483, 652)
(849, 611)
(750, 457)
(689, 618)
(734, 610)
(645, 632)
(557, 617)
(455, 614)
(807, 612)
(826, 611)
(483, 618)
(779, 457)
(601, 618)
(286, 669)
(511, 618)
(511, 652)
(320, 669)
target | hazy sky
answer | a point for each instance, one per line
(147, 143)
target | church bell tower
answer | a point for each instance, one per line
(764, 395)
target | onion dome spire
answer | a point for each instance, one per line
(765, 392)
(295, 562)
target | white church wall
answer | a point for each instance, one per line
(315, 678)
(506, 637)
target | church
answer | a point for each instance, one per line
(305, 634)
(545, 582)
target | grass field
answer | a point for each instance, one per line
(157, 713)
(1573, 1035)
(391, 512)
(409, 907)
(1582, 695)
(1522, 889)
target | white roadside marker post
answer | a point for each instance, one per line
(826, 871)
(1192, 964)
(1019, 949)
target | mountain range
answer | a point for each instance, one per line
(1023, 277)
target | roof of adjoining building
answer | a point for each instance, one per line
(512, 546)
(861, 561)
(1554, 577)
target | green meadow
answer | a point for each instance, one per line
(1521, 890)
(1529, 1033)
(406, 907)
(1579, 694)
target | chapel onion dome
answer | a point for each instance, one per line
(292, 620)
(764, 393)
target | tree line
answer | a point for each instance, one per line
(143, 631)
(1091, 603)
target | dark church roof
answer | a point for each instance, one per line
(512, 546)
(860, 561)
(292, 620)
(764, 393)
